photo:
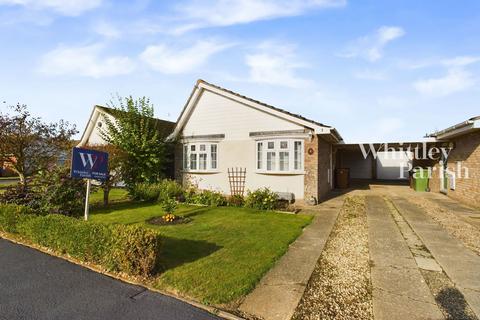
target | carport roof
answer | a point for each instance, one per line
(381, 145)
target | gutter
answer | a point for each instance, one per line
(457, 126)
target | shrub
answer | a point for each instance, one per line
(169, 206)
(236, 201)
(136, 250)
(262, 199)
(208, 198)
(131, 249)
(51, 191)
(190, 194)
(170, 189)
(145, 192)
(21, 195)
(59, 192)
(11, 215)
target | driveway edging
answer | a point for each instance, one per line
(277, 295)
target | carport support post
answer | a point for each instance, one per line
(87, 196)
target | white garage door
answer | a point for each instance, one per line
(393, 165)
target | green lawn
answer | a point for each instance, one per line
(116, 195)
(221, 254)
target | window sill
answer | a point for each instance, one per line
(280, 173)
(201, 171)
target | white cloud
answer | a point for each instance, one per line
(199, 14)
(106, 30)
(171, 60)
(371, 47)
(65, 7)
(456, 80)
(457, 77)
(460, 61)
(276, 65)
(84, 61)
(368, 74)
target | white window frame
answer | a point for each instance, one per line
(201, 148)
(262, 149)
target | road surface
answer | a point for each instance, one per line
(34, 285)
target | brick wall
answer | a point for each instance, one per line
(466, 150)
(317, 163)
(311, 168)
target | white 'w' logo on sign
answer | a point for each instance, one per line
(87, 158)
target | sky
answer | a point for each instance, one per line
(375, 70)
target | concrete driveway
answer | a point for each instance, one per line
(34, 285)
(425, 254)
(424, 257)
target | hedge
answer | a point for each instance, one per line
(124, 248)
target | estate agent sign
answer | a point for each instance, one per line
(89, 164)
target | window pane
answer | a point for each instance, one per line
(202, 147)
(193, 161)
(298, 155)
(202, 163)
(283, 161)
(213, 156)
(185, 157)
(271, 145)
(283, 144)
(192, 147)
(259, 155)
(270, 161)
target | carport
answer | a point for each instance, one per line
(387, 162)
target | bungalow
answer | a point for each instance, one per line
(219, 130)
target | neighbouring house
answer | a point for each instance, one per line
(459, 176)
(91, 135)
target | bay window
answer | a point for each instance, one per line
(280, 155)
(202, 156)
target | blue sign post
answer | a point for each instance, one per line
(89, 164)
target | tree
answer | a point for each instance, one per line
(141, 138)
(115, 159)
(31, 145)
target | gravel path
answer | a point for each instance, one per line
(340, 287)
(463, 231)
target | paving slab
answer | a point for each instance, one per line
(280, 290)
(429, 264)
(399, 289)
(460, 263)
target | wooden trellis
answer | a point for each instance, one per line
(236, 177)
